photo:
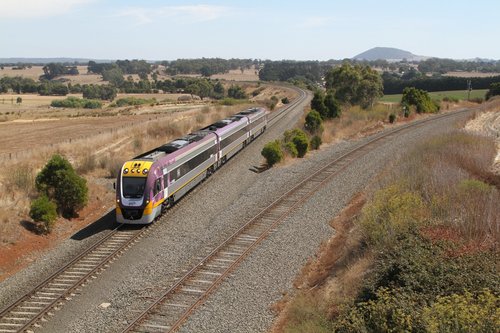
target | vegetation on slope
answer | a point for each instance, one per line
(430, 237)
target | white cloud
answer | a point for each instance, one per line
(37, 8)
(315, 22)
(184, 14)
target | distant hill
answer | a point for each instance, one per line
(389, 54)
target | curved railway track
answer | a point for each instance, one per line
(54, 291)
(169, 311)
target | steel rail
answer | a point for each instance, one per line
(192, 290)
(19, 316)
(51, 292)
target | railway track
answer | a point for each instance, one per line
(61, 286)
(169, 311)
(37, 305)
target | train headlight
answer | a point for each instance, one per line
(132, 171)
(145, 171)
(125, 171)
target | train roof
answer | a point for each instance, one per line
(174, 145)
(218, 127)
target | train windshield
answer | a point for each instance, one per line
(133, 187)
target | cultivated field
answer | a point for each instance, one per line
(83, 78)
(439, 95)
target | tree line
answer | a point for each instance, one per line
(438, 65)
(207, 66)
(394, 84)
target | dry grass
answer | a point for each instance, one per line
(356, 122)
(236, 75)
(335, 273)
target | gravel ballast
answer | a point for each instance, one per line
(200, 222)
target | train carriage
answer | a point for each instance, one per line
(153, 181)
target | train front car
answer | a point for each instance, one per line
(134, 203)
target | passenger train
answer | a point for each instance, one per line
(152, 182)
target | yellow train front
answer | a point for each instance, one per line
(136, 202)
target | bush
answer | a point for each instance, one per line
(392, 212)
(272, 152)
(299, 139)
(133, 101)
(43, 210)
(75, 102)
(316, 142)
(236, 92)
(59, 181)
(464, 313)
(392, 118)
(301, 142)
(493, 91)
(71, 193)
(419, 98)
(285, 100)
(291, 149)
(314, 122)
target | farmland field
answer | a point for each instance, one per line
(454, 94)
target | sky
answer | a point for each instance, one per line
(257, 29)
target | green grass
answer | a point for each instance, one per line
(458, 94)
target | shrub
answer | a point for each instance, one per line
(71, 193)
(285, 100)
(291, 149)
(392, 118)
(419, 98)
(43, 210)
(464, 313)
(316, 142)
(272, 152)
(74, 102)
(314, 122)
(236, 92)
(301, 142)
(493, 91)
(92, 104)
(59, 181)
(130, 101)
(392, 212)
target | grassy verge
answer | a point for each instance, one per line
(440, 95)
(422, 254)
(356, 121)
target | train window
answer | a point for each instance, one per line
(192, 164)
(233, 137)
(157, 187)
(133, 187)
